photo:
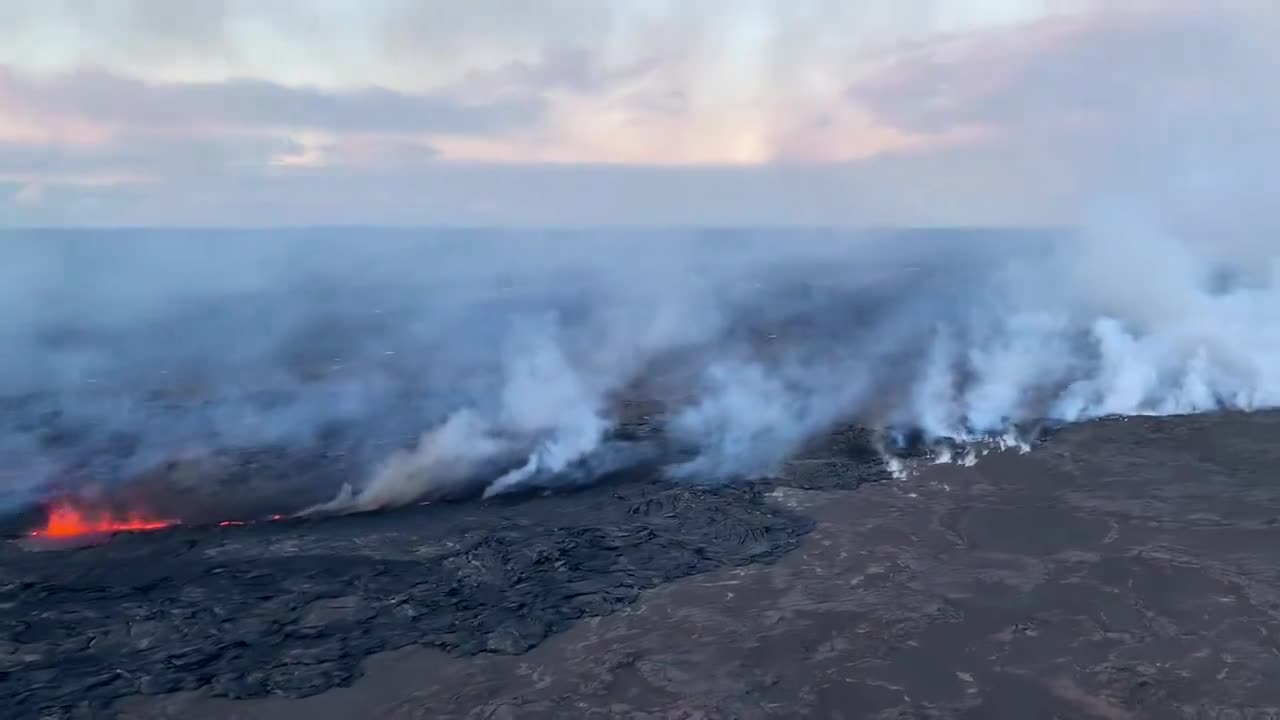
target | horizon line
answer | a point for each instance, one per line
(558, 227)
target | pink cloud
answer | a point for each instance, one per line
(1106, 67)
(116, 100)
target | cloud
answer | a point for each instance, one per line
(574, 69)
(486, 29)
(163, 28)
(157, 35)
(962, 186)
(1164, 112)
(147, 156)
(114, 99)
(500, 112)
(1120, 69)
(359, 153)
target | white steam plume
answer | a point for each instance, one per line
(509, 356)
(516, 375)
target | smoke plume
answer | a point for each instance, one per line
(412, 366)
(451, 365)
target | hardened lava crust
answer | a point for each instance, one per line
(293, 607)
(1125, 568)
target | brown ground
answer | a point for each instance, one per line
(1127, 569)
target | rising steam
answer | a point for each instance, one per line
(418, 365)
(513, 364)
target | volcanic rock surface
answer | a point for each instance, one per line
(1122, 569)
(292, 607)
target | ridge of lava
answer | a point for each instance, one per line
(69, 521)
(66, 520)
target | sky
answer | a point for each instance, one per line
(625, 112)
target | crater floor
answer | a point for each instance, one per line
(1122, 569)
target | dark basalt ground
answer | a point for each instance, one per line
(1123, 569)
(293, 607)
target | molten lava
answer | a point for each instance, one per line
(66, 521)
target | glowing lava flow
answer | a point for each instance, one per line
(66, 521)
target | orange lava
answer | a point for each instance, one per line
(66, 521)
